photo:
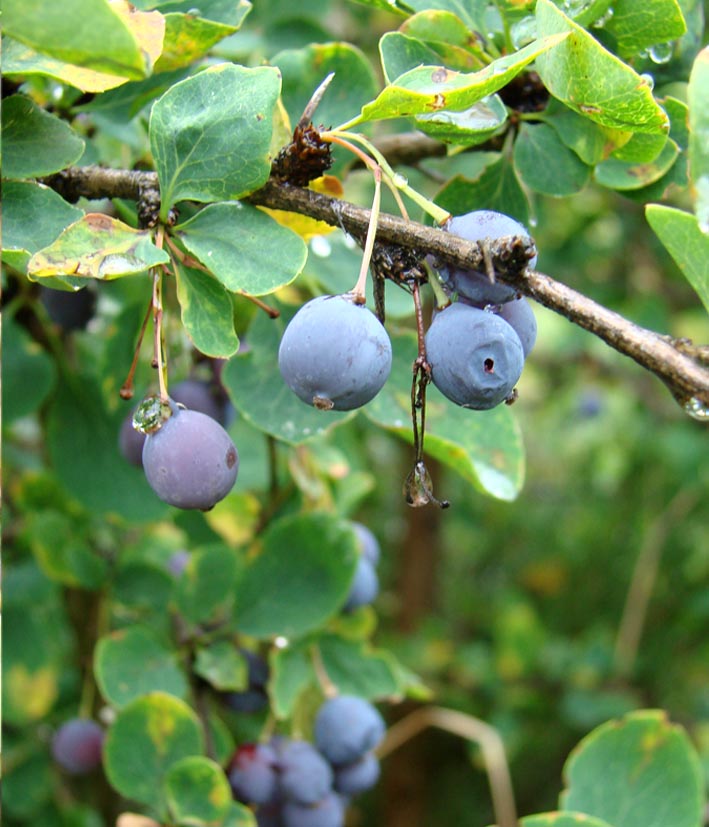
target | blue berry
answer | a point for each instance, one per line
(306, 777)
(364, 587)
(253, 774)
(520, 316)
(358, 777)
(346, 727)
(330, 812)
(369, 545)
(77, 744)
(335, 354)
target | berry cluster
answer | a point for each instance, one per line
(295, 783)
(336, 355)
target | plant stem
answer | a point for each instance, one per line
(472, 729)
(359, 288)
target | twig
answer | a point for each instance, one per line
(643, 580)
(681, 366)
(472, 729)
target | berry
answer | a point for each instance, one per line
(477, 226)
(306, 777)
(356, 778)
(520, 316)
(346, 727)
(253, 774)
(198, 395)
(369, 545)
(177, 562)
(254, 697)
(69, 310)
(190, 461)
(76, 746)
(335, 354)
(330, 812)
(476, 358)
(364, 587)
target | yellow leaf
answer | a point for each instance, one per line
(301, 224)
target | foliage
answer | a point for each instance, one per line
(587, 121)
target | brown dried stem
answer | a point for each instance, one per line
(680, 365)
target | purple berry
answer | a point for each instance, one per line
(131, 442)
(198, 395)
(77, 744)
(306, 777)
(364, 587)
(330, 812)
(369, 545)
(346, 727)
(253, 774)
(356, 778)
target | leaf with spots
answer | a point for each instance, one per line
(591, 80)
(197, 792)
(638, 24)
(434, 88)
(97, 247)
(149, 736)
(210, 135)
(640, 771)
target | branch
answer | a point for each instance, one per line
(683, 367)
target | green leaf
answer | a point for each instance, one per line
(357, 669)
(484, 447)
(236, 242)
(96, 34)
(239, 816)
(495, 187)
(97, 247)
(207, 312)
(471, 12)
(197, 792)
(63, 552)
(590, 141)
(313, 555)
(34, 142)
(190, 36)
(641, 771)
(204, 592)
(620, 175)
(559, 819)
(222, 665)
(97, 476)
(259, 393)
(132, 662)
(545, 164)
(592, 81)
(33, 216)
(304, 69)
(210, 135)
(401, 53)
(686, 243)
(639, 24)
(698, 100)
(291, 672)
(448, 36)
(149, 735)
(469, 127)
(433, 88)
(28, 373)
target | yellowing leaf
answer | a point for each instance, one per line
(306, 227)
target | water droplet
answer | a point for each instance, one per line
(320, 246)
(697, 409)
(523, 32)
(604, 18)
(661, 52)
(400, 180)
(649, 79)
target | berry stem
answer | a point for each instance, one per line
(359, 288)
(437, 213)
(329, 689)
(127, 390)
(157, 320)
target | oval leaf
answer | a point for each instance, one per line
(97, 247)
(197, 792)
(591, 80)
(698, 99)
(637, 24)
(656, 777)
(148, 736)
(314, 554)
(207, 312)
(34, 142)
(558, 819)
(545, 164)
(132, 662)
(210, 135)
(236, 242)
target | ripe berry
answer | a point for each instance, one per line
(476, 358)
(76, 746)
(190, 461)
(478, 226)
(253, 774)
(346, 727)
(335, 354)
